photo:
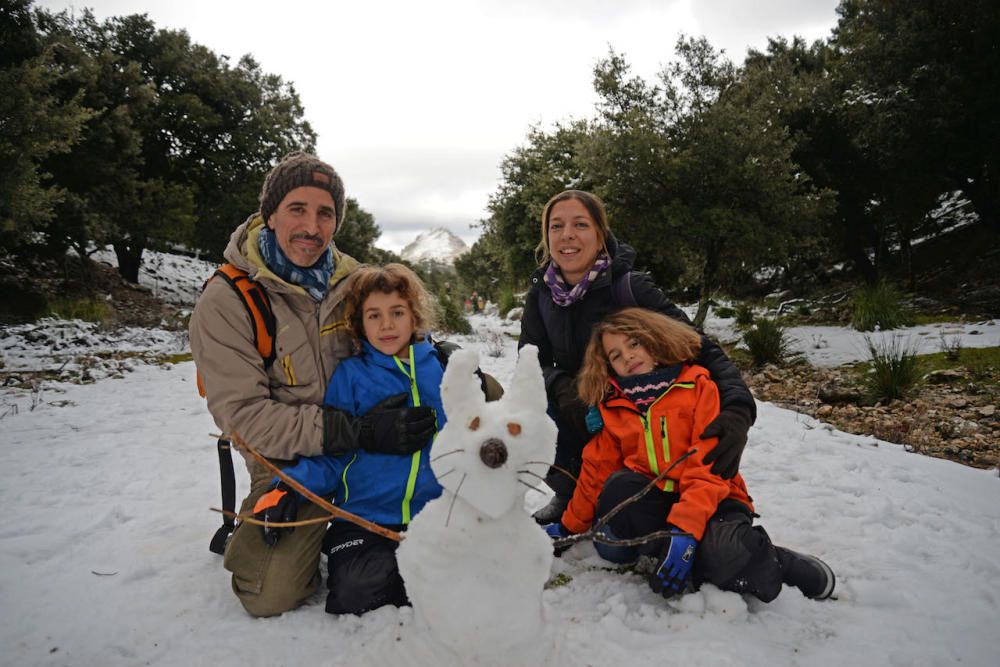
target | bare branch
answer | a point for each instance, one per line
(593, 532)
(316, 500)
(249, 518)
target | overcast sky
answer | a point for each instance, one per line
(417, 101)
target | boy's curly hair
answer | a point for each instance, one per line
(386, 279)
(667, 340)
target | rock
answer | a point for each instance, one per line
(944, 376)
(824, 411)
(987, 410)
(835, 394)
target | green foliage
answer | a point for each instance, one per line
(477, 269)
(359, 233)
(450, 317)
(724, 312)
(767, 342)
(878, 306)
(121, 133)
(37, 122)
(894, 368)
(744, 315)
(507, 301)
(85, 308)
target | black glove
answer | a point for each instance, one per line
(280, 504)
(572, 411)
(392, 428)
(388, 428)
(730, 427)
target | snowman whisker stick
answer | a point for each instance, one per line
(528, 472)
(316, 500)
(592, 534)
(554, 467)
(454, 497)
(441, 456)
(533, 488)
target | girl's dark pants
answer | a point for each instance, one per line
(362, 573)
(733, 554)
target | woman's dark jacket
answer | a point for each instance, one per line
(561, 347)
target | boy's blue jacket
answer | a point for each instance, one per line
(384, 488)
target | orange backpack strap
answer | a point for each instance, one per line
(258, 305)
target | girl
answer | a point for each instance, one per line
(584, 274)
(655, 402)
(388, 311)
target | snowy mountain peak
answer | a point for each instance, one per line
(439, 245)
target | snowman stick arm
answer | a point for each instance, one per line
(591, 534)
(316, 500)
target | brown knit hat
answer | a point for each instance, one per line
(296, 170)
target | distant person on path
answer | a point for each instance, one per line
(577, 284)
(288, 249)
(655, 401)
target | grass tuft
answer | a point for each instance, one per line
(879, 307)
(767, 342)
(894, 370)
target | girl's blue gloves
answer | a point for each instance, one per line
(674, 572)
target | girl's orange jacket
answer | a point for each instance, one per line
(648, 442)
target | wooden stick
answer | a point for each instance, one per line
(249, 518)
(316, 500)
(592, 534)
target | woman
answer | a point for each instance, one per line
(585, 274)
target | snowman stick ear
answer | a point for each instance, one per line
(528, 380)
(460, 387)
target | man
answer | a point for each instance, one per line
(288, 249)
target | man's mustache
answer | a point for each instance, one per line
(318, 240)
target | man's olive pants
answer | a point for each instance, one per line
(270, 580)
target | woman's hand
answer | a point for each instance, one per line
(731, 428)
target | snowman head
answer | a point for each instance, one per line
(485, 448)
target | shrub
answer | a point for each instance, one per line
(767, 342)
(951, 346)
(87, 309)
(450, 317)
(744, 315)
(879, 307)
(506, 301)
(895, 369)
(724, 312)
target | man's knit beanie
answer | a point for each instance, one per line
(298, 169)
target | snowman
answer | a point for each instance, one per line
(473, 560)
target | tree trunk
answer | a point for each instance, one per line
(855, 250)
(708, 273)
(983, 193)
(129, 254)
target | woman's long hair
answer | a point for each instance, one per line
(594, 206)
(667, 340)
(386, 279)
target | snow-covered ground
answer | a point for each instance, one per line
(104, 547)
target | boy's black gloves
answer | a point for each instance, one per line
(280, 504)
(730, 427)
(391, 427)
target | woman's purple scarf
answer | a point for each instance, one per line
(562, 294)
